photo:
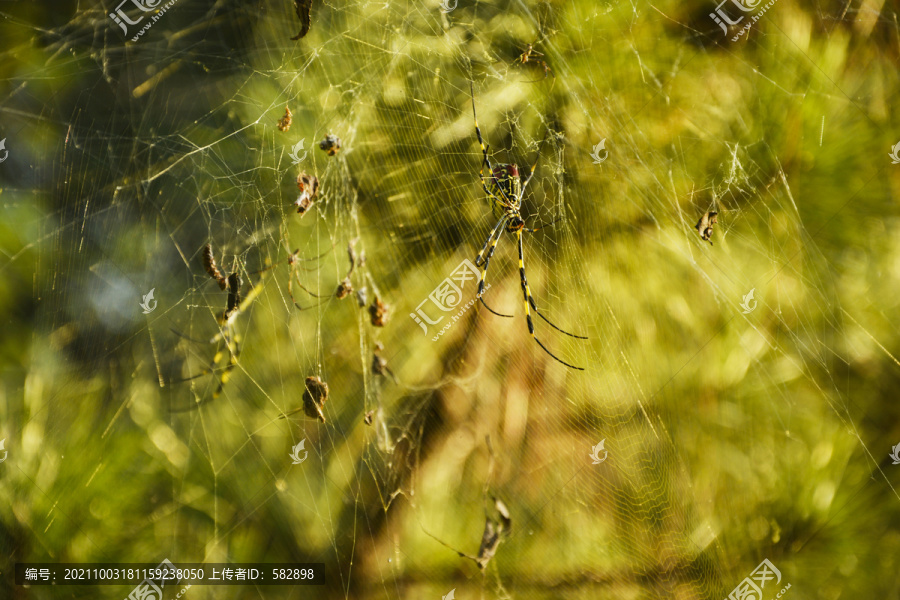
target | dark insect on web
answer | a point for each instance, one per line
(303, 8)
(284, 123)
(705, 225)
(309, 189)
(209, 264)
(505, 189)
(369, 418)
(314, 398)
(331, 144)
(234, 295)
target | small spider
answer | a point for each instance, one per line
(331, 144)
(314, 398)
(705, 225)
(529, 54)
(284, 123)
(309, 189)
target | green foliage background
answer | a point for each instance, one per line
(732, 437)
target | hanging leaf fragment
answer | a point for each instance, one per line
(494, 531)
(705, 225)
(378, 312)
(284, 123)
(302, 7)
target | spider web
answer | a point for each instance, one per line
(730, 435)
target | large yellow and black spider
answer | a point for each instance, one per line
(505, 188)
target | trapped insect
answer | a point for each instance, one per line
(331, 144)
(314, 398)
(705, 225)
(505, 189)
(209, 264)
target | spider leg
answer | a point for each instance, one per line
(529, 301)
(534, 166)
(487, 161)
(499, 225)
(493, 241)
(550, 224)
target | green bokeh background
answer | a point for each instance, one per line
(732, 437)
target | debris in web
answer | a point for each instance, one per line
(378, 311)
(313, 399)
(705, 225)
(331, 144)
(362, 296)
(345, 287)
(284, 123)
(309, 189)
(379, 363)
(495, 528)
(302, 7)
(370, 416)
(209, 263)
